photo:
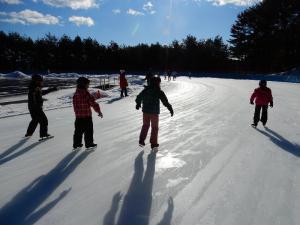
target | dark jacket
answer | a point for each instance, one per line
(35, 99)
(151, 97)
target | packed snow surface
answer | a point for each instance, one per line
(211, 168)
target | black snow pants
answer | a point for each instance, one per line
(264, 115)
(38, 117)
(83, 126)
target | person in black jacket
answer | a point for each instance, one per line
(35, 106)
(150, 97)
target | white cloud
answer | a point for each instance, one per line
(148, 7)
(134, 12)
(73, 4)
(80, 20)
(3, 13)
(11, 2)
(28, 16)
(116, 11)
(233, 2)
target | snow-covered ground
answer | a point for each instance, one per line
(212, 167)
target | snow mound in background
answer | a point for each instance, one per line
(63, 75)
(16, 75)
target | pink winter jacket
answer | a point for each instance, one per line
(262, 96)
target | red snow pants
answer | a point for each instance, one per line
(147, 119)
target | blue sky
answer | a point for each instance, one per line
(126, 22)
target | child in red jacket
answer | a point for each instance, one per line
(262, 96)
(123, 83)
(82, 103)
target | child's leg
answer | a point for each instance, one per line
(256, 114)
(145, 127)
(33, 123)
(43, 124)
(89, 132)
(264, 114)
(77, 137)
(154, 129)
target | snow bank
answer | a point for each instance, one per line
(15, 75)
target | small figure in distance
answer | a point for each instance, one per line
(149, 76)
(262, 96)
(123, 84)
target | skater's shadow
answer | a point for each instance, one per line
(24, 208)
(7, 156)
(138, 200)
(13, 148)
(166, 220)
(281, 142)
(114, 100)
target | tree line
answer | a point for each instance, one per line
(265, 37)
(66, 54)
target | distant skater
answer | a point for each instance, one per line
(35, 106)
(169, 73)
(262, 96)
(174, 76)
(149, 76)
(82, 103)
(150, 98)
(123, 84)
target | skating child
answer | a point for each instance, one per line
(150, 97)
(123, 83)
(35, 106)
(262, 96)
(82, 103)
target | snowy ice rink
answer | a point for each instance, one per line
(212, 168)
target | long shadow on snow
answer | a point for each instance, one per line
(22, 208)
(13, 148)
(281, 142)
(138, 200)
(166, 220)
(7, 156)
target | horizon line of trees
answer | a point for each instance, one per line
(65, 54)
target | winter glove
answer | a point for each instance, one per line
(251, 102)
(100, 114)
(271, 104)
(138, 107)
(171, 110)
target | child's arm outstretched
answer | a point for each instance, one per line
(95, 105)
(165, 102)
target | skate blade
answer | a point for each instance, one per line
(46, 138)
(91, 149)
(155, 150)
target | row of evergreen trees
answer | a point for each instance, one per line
(66, 54)
(265, 37)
